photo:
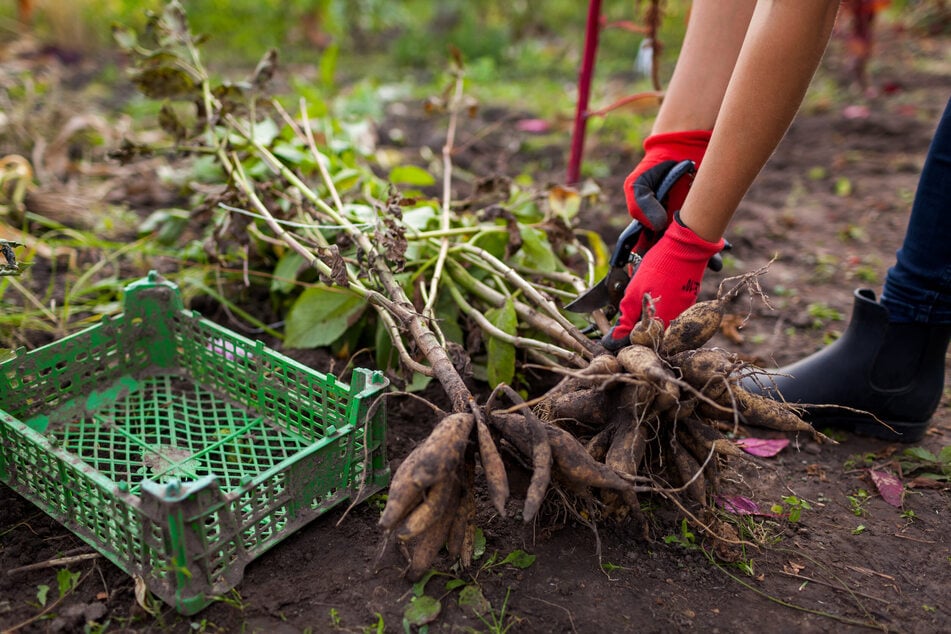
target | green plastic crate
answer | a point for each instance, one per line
(179, 449)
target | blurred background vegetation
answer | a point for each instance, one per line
(519, 53)
(67, 101)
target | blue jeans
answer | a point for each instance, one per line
(918, 287)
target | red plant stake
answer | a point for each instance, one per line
(591, 34)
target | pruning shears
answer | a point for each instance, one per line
(624, 260)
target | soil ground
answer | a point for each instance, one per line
(852, 562)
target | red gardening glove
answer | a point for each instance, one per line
(661, 153)
(671, 273)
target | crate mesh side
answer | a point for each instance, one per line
(67, 369)
(172, 428)
(81, 499)
(278, 388)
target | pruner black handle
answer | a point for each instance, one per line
(626, 243)
(651, 195)
(676, 172)
(629, 237)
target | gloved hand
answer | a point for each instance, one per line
(671, 273)
(661, 153)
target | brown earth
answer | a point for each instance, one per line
(852, 562)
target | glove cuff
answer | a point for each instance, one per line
(687, 246)
(677, 146)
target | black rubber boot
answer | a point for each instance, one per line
(894, 371)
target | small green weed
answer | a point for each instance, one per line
(499, 623)
(859, 461)
(791, 508)
(825, 268)
(822, 313)
(377, 628)
(745, 565)
(760, 531)
(866, 274)
(424, 608)
(858, 530)
(232, 598)
(685, 538)
(858, 501)
(853, 233)
(609, 567)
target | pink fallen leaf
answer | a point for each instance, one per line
(738, 504)
(762, 447)
(856, 112)
(889, 486)
(741, 505)
(533, 125)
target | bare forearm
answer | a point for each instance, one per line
(711, 45)
(783, 47)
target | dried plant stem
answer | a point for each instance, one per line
(446, 210)
(519, 342)
(532, 293)
(529, 314)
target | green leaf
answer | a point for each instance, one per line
(492, 241)
(944, 456)
(536, 252)
(501, 354)
(419, 588)
(418, 383)
(447, 313)
(294, 155)
(386, 355)
(519, 559)
(411, 175)
(452, 584)
(921, 453)
(165, 82)
(471, 597)
(285, 273)
(320, 315)
(421, 218)
(422, 610)
(265, 131)
(328, 64)
(478, 544)
(346, 178)
(66, 580)
(602, 255)
(42, 592)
